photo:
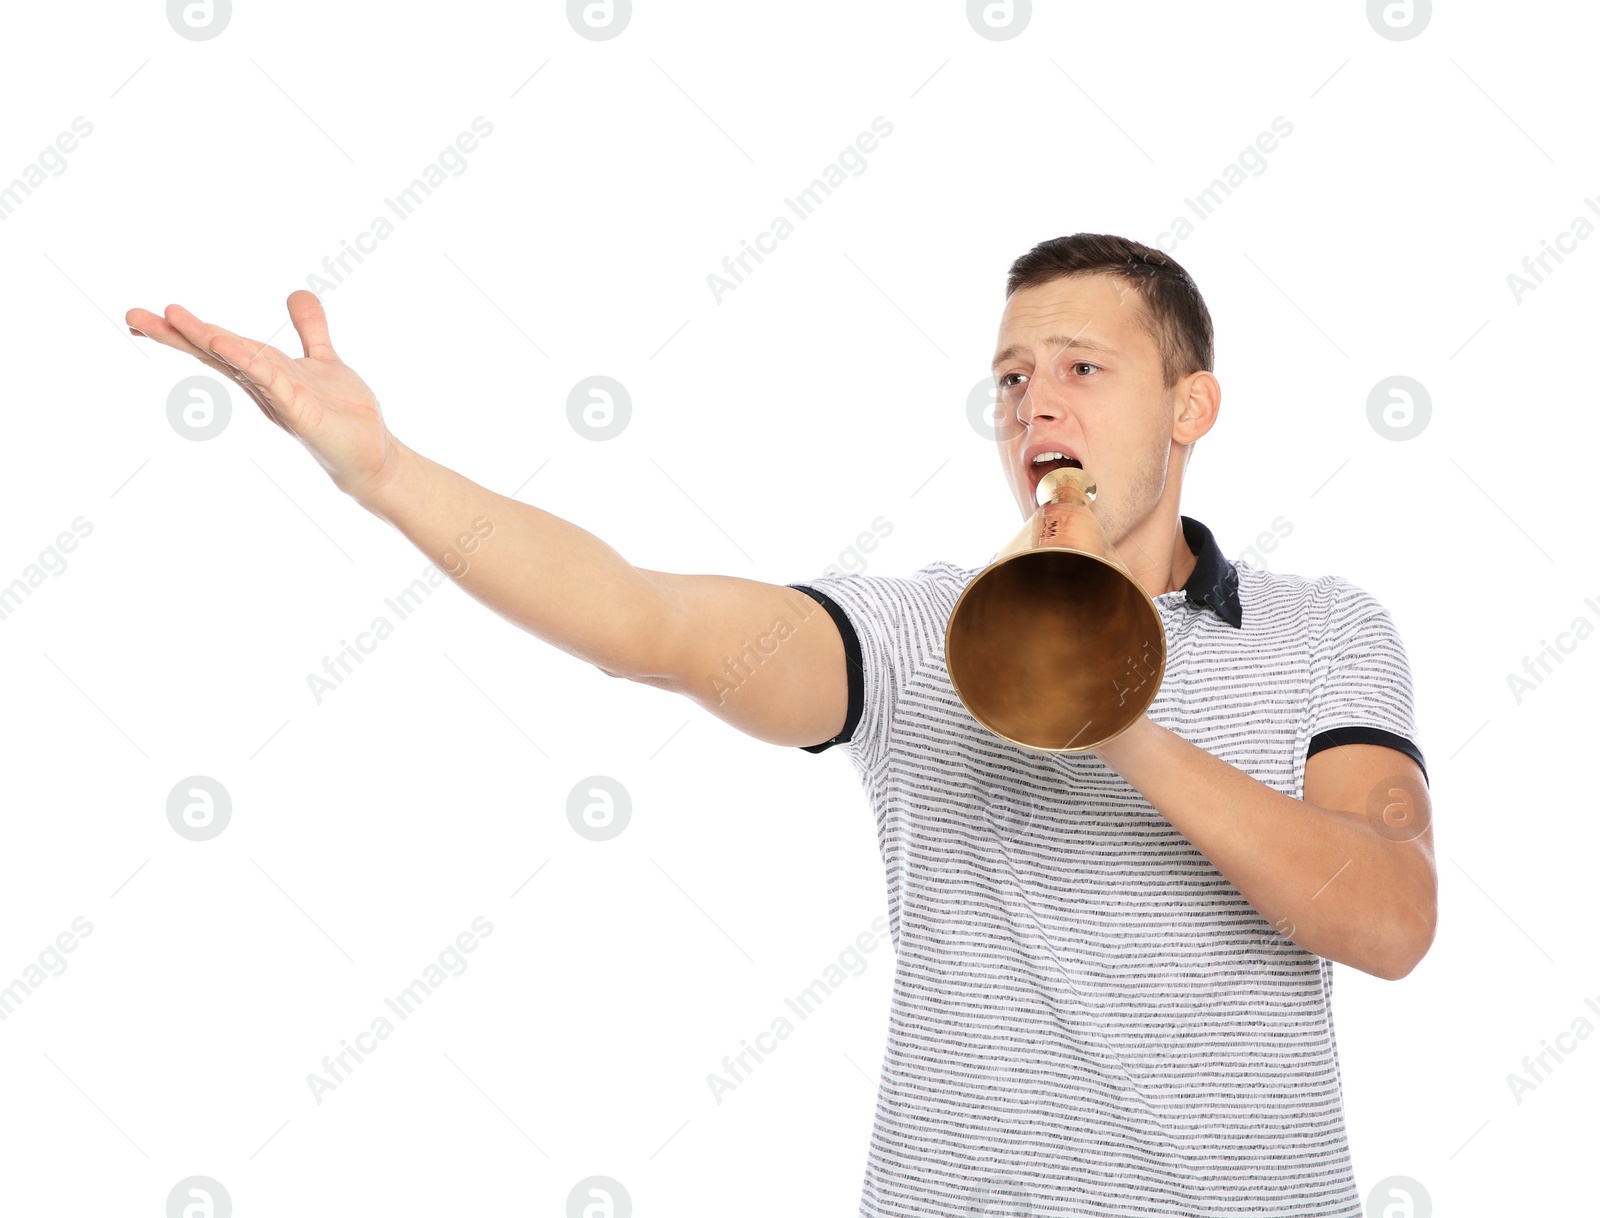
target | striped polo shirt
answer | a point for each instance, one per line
(1087, 1017)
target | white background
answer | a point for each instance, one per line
(768, 430)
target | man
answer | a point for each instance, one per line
(1112, 987)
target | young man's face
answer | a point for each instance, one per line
(1080, 375)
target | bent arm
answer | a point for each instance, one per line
(1314, 867)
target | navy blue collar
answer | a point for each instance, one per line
(1215, 581)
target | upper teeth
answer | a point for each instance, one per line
(1042, 457)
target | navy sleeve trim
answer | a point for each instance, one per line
(1366, 735)
(852, 667)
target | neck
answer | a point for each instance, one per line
(1155, 551)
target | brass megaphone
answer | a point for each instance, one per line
(1052, 647)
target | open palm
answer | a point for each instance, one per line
(318, 399)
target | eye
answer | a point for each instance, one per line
(1006, 381)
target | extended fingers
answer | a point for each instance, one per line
(256, 360)
(153, 325)
(267, 373)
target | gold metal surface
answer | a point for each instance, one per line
(1052, 647)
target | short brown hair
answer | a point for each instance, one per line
(1175, 315)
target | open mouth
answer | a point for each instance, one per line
(1045, 462)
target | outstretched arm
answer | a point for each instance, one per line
(545, 574)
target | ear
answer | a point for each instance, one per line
(1196, 399)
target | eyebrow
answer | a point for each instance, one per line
(1055, 340)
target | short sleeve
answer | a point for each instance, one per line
(889, 625)
(1363, 694)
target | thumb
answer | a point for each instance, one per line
(311, 324)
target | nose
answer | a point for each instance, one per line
(1039, 402)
